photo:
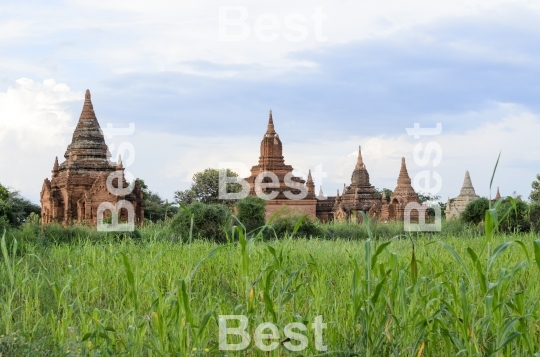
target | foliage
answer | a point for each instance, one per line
(21, 208)
(210, 221)
(14, 208)
(387, 192)
(205, 188)
(515, 219)
(475, 211)
(4, 194)
(156, 208)
(424, 197)
(378, 298)
(251, 212)
(535, 193)
(534, 216)
(284, 225)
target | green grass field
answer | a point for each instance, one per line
(448, 296)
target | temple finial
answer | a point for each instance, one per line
(360, 161)
(498, 195)
(309, 178)
(120, 164)
(270, 129)
(55, 167)
(87, 96)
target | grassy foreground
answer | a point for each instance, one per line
(446, 297)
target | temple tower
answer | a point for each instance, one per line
(79, 184)
(466, 195)
(360, 195)
(288, 190)
(403, 194)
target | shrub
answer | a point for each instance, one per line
(209, 221)
(515, 220)
(284, 225)
(475, 211)
(534, 216)
(251, 212)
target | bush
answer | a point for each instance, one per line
(534, 216)
(210, 221)
(475, 211)
(251, 212)
(515, 220)
(284, 225)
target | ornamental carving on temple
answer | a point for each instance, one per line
(79, 184)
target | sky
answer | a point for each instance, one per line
(197, 79)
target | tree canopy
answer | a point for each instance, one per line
(535, 193)
(14, 208)
(205, 188)
(156, 209)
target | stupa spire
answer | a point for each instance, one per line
(270, 129)
(310, 185)
(120, 165)
(404, 174)
(498, 195)
(467, 189)
(55, 167)
(87, 149)
(360, 161)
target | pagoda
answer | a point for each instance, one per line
(79, 184)
(403, 194)
(466, 195)
(297, 194)
(360, 195)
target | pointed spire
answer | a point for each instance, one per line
(87, 149)
(270, 129)
(120, 165)
(310, 185)
(404, 174)
(467, 189)
(498, 195)
(321, 194)
(55, 167)
(360, 161)
(88, 108)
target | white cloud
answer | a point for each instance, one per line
(126, 36)
(35, 126)
(168, 161)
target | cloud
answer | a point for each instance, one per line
(35, 126)
(170, 160)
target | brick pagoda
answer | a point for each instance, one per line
(78, 185)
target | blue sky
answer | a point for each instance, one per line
(196, 100)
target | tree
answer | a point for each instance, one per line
(205, 188)
(156, 208)
(513, 219)
(427, 197)
(535, 193)
(387, 192)
(251, 212)
(4, 193)
(475, 211)
(21, 208)
(210, 221)
(14, 209)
